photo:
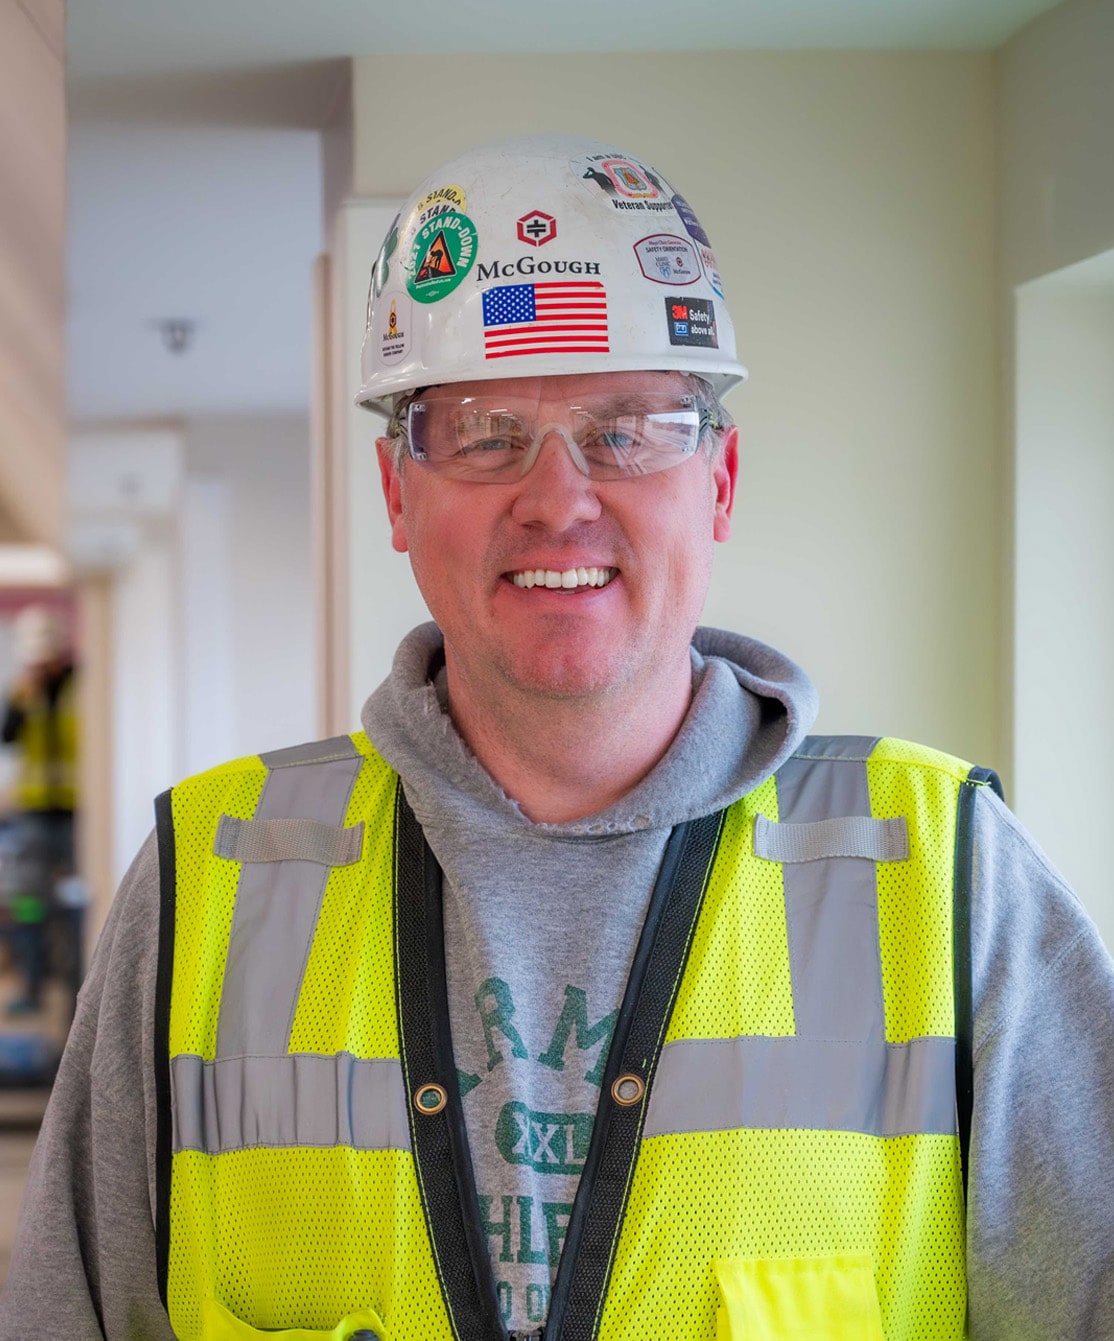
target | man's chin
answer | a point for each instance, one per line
(564, 678)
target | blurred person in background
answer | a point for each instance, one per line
(40, 722)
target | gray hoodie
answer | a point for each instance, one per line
(541, 922)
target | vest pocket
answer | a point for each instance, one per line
(798, 1299)
(217, 1324)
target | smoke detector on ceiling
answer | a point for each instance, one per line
(177, 333)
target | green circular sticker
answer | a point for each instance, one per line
(440, 256)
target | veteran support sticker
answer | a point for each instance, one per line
(626, 183)
(692, 321)
(440, 256)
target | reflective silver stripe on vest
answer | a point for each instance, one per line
(288, 840)
(842, 836)
(277, 904)
(301, 1099)
(803, 1083)
(831, 905)
(837, 1073)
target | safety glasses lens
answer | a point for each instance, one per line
(498, 438)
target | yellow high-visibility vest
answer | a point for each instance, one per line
(777, 1145)
(48, 745)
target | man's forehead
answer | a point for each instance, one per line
(568, 387)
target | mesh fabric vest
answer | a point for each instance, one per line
(777, 1140)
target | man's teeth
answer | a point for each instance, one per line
(569, 580)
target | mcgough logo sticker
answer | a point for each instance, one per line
(392, 327)
(625, 182)
(441, 201)
(537, 228)
(533, 265)
(440, 256)
(668, 259)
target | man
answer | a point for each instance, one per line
(631, 1011)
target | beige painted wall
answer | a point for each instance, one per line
(850, 200)
(1065, 579)
(1054, 113)
(32, 260)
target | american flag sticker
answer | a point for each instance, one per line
(560, 318)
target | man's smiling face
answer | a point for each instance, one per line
(477, 548)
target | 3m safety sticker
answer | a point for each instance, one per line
(537, 228)
(557, 318)
(667, 259)
(625, 183)
(393, 323)
(690, 221)
(692, 321)
(711, 269)
(441, 201)
(440, 256)
(381, 270)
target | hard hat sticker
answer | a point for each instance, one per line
(690, 221)
(711, 270)
(537, 228)
(667, 259)
(625, 182)
(692, 321)
(382, 268)
(391, 332)
(549, 318)
(440, 256)
(441, 201)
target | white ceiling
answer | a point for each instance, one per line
(195, 165)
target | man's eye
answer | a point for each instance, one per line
(612, 440)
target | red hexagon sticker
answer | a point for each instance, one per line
(537, 228)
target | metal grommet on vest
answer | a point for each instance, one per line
(628, 1090)
(430, 1099)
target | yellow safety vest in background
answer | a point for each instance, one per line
(48, 744)
(777, 1143)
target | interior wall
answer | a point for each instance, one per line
(250, 551)
(849, 198)
(1065, 580)
(32, 269)
(1054, 106)
(1055, 110)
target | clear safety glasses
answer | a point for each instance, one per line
(610, 436)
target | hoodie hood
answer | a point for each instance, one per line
(750, 709)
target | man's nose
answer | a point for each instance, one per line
(555, 492)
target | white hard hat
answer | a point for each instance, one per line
(39, 635)
(538, 256)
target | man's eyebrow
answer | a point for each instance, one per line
(620, 401)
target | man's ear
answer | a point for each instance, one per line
(392, 491)
(725, 471)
